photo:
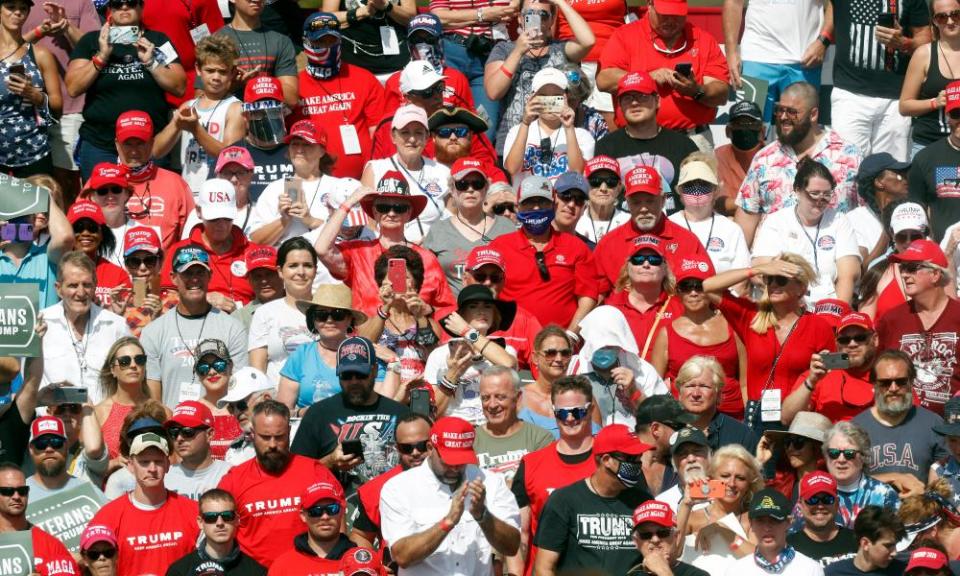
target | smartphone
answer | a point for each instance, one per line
(552, 104)
(352, 448)
(397, 273)
(684, 69)
(124, 34)
(835, 360)
(420, 401)
(711, 489)
(139, 291)
(56, 395)
(532, 24)
(292, 188)
(887, 20)
(456, 345)
(18, 69)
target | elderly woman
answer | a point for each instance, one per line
(98, 552)
(602, 214)
(501, 201)
(847, 449)
(123, 386)
(214, 368)
(795, 452)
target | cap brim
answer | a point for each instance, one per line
(643, 191)
(364, 369)
(779, 517)
(189, 265)
(220, 213)
(468, 171)
(947, 429)
(907, 257)
(452, 457)
(184, 421)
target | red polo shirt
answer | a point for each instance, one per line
(573, 274)
(369, 494)
(641, 321)
(613, 249)
(228, 270)
(841, 394)
(631, 48)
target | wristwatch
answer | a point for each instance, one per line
(700, 93)
(472, 336)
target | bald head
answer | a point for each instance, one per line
(803, 91)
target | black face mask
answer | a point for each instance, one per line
(744, 139)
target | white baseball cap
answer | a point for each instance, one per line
(418, 75)
(549, 76)
(243, 383)
(217, 199)
(908, 216)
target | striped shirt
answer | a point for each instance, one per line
(484, 29)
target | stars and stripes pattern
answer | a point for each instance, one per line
(947, 180)
(865, 52)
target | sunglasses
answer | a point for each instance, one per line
(482, 277)
(211, 517)
(652, 259)
(541, 259)
(578, 413)
(908, 236)
(795, 442)
(238, 406)
(848, 453)
(327, 315)
(825, 499)
(554, 352)
(318, 511)
(502, 207)
(690, 285)
(610, 181)
(44, 442)
(787, 111)
(385, 208)
(186, 432)
(220, 365)
(420, 447)
(109, 190)
(954, 114)
(115, 4)
(65, 408)
(819, 195)
(477, 184)
(912, 267)
(662, 534)
(569, 196)
(858, 338)
(778, 281)
(325, 24)
(448, 131)
(94, 555)
(85, 225)
(136, 263)
(887, 382)
(352, 376)
(435, 90)
(126, 361)
(9, 491)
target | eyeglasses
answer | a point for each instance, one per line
(448, 131)
(325, 24)
(185, 431)
(652, 259)
(848, 453)
(569, 196)
(494, 278)
(912, 267)
(44, 442)
(941, 18)
(420, 447)
(9, 491)
(435, 90)
(398, 208)
(136, 263)
(84, 225)
(502, 207)
(109, 190)
(819, 195)
(825, 499)
(321, 315)
(787, 111)
(662, 534)
(578, 412)
(555, 352)
(66, 408)
(858, 338)
(779, 281)
(908, 236)
(125, 361)
(106, 553)
(541, 259)
(610, 181)
(352, 376)
(220, 365)
(211, 517)
(477, 184)
(318, 511)
(887, 382)
(795, 442)
(688, 285)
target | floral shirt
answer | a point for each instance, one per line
(768, 186)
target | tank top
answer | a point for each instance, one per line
(890, 297)
(194, 159)
(23, 124)
(226, 430)
(680, 349)
(932, 126)
(111, 427)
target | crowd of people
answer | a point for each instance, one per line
(483, 288)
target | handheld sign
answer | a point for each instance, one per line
(20, 197)
(65, 514)
(16, 553)
(18, 317)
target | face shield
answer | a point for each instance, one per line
(265, 122)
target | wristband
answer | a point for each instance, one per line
(827, 34)
(446, 525)
(933, 104)
(484, 347)
(506, 72)
(825, 40)
(737, 542)
(807, 384)
(381, 313)
(750, 273)
(38, 32)
(98, 62)
(446, 383)
(636, 396)
(352, 17)
(906, 45)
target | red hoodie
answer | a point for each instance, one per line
(229, 270)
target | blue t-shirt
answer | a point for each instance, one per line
(317, 380)
(35, 268)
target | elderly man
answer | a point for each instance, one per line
(48, 450)
(690, 456)
(821, 538)
(877, 531)
(191, 431)
(655, 536)
(447, 516)
(699, 396)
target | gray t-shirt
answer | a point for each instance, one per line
(38, 492)
(502, 455)
(245, 313)
(270, 50)
(522, 85)
(911, 447)
(194, 484)
(170, 340)
(452, 249)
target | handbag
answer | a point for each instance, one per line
(751, 412)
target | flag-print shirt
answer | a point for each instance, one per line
(869, 492)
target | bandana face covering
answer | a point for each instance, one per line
(777, 567)
(322, 61)
(696, 193)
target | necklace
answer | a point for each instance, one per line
(593, 225)
(709, 233)
(813, 241)
(482, 233)
(15, 50)
(79, 346)
(176, 320)
(945, 61)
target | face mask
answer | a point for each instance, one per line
(432, 53)
(536, 222)
(744, 139)
(697, 194)
(265, 122)
(322, 62)
(629, 473)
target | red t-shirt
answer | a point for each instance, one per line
(680, 349)
(521, 335)
(269, 505)
(50, 556)
(603, 16)
(841, 394)
(934, 351)
(109, 276)
(229, 271)
(360, 256)
(164, 202)
(811, 335)
(369, 494)
(641, 322)
(151, 540)
(614, 248)
(631, 48)
(573, 274)
(353, 97)
(456, 95)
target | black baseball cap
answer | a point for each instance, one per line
(687, 435)
(665, 409)
(874, 164)
(771, 503)
(746, 109)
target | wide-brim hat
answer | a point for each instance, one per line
(810, 425)
(480, 293)
(445, 116)
(393, 186)
(336, 296)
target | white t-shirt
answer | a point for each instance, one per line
(956, 254)
(597, 229)
(834, 239)
(430, 181)
(801, 565)
(779, 31)
(866, 226)
(726, 245)
(193, 157)
(315, 195)
(558, 163)
(281, 328)
(193, 484)
(466, 400)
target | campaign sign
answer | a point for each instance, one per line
(19, 197)
(18, 316)
(16, 553)
(753, 90)
(65, 514)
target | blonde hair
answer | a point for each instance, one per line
(738, 452)
(669, 283)
(48, 182)
(765, 319)
(217, 47)
(698, 156)
(920, 507)
(108, 382)
(697, 365)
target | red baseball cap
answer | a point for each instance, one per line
(47, 426)
(134, 124)
(647, 242)
(644, 179)
(855, 319)
(638, 81)
(953, 96)
(482, 255)
(259, 256)
(464, 166)
(234, 155)
(653, 511)
(85, 209)
(817, 482)
(670, 7)
(832, 310)
(94, 533)
(453, 438)
(618, 438)
(263, 88)
(922, 251)
(141, 238)
(929, 558)
(191, 414)
(328, 489)
(601, 162)
(695, 267)
(360, 561)
(107, 174)
(307, 130)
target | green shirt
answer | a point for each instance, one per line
(503, 454)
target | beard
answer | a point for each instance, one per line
(894, 407)
(447, 154)
(51, 468)
(800, 130)
(273, 461)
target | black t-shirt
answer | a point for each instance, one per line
(194, 565)
(935, 182)
(362, 44)
(14, 435)
(678, 569)
(843, 546)
(724, 430)
(664, 151)
(846, 568)
(124, 84)
(269, 165)
(518, 486)
(862, 64)
(588, 531)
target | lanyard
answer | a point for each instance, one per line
(79, 351)
(813, 241)
(709, 233)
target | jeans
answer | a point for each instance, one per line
(456, 56)
(88, 156)
(778, 77)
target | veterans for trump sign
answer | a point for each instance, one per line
(18, 317)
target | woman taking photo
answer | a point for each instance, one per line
(451, 239)
(123, 384)
(797, 451)
(30, 97)
(701, 330)
(143, 260)
(214, 369)
(882, 287)
(279, 326)
(95, 239)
